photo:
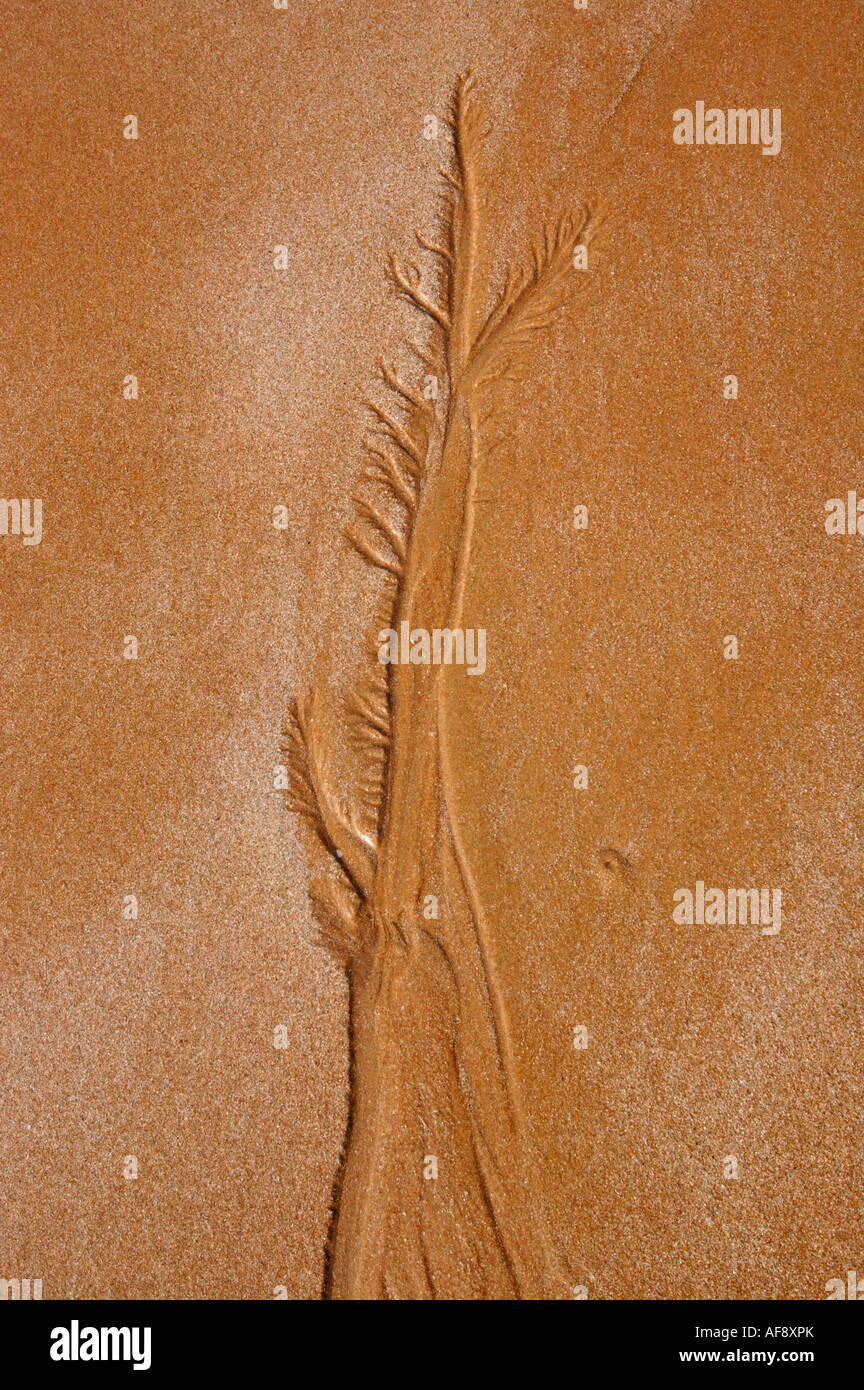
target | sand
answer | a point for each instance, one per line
(620, 1106)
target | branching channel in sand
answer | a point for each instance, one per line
(432, 1064)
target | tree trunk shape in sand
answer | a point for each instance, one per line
(433, 1083)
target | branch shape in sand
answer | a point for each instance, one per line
(432, 1070)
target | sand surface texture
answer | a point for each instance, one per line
(328, 977)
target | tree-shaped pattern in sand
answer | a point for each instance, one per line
(432, 1069)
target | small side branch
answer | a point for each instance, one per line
(339, 914)
(408, 396)
(398, 432)
(374, 556)
(384, 469)
(381, 524)
(529, 302)
(410, 288)
(432, 246)
(316, 800)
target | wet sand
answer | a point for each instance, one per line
(153, 1037)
